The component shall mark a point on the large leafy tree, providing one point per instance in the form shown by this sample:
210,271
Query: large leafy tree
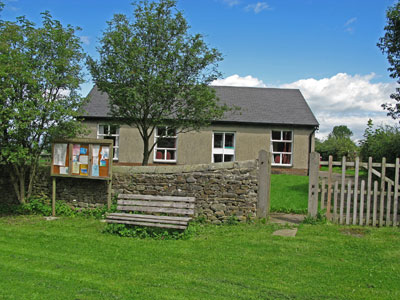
40,74
341,131
390,45
156,73
337,144
381,141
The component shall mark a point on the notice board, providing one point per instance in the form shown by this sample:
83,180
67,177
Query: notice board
82,158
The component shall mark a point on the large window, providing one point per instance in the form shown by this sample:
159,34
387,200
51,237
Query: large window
223,147
165,148
110,132
282,144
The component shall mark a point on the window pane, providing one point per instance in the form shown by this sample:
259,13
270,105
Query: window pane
276,135
277,158
171,154
161,131
217,158
116,152
218,138
101,129
160,154
228,157
113,129
171,132
282,147
286,159
287,135
229,140
166,143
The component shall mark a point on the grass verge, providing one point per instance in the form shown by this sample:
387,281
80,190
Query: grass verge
289,193
71,258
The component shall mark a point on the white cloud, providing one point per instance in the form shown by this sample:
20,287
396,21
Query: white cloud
350,21
347,26
258,7
236,80
85,39
344,99
231,3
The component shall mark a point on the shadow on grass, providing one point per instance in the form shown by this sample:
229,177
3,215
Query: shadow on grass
7,209
301,188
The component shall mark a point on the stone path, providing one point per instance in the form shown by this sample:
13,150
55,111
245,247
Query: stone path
286,232
286,219
282,218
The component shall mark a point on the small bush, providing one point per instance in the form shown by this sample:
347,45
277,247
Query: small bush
318,219
152,232
232,220
41,205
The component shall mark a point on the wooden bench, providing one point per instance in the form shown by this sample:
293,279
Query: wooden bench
177,211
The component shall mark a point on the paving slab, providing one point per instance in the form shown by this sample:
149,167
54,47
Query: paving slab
282,218
51,218
286,232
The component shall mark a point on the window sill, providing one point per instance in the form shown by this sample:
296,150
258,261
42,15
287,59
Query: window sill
281,165
165,161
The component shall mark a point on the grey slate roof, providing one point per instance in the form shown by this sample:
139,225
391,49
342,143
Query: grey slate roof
258,105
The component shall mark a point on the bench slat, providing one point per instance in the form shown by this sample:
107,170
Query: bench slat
179,211
156,198
156,203
186,219
152,220
146,224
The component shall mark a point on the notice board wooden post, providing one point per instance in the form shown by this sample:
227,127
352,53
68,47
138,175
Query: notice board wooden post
109,184
53,199
82,158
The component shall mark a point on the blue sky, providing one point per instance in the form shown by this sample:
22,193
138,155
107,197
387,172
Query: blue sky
326,48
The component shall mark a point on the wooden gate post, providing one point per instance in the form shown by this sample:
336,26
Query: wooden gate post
313,184
264,184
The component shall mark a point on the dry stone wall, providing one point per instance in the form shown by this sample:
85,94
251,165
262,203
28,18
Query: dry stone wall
221,190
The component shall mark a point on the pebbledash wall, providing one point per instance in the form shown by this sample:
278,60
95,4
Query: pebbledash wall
221,189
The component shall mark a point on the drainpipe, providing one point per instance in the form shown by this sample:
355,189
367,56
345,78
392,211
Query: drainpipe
309,148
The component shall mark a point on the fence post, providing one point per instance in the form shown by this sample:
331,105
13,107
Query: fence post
329,197
396,191
313,184
264,184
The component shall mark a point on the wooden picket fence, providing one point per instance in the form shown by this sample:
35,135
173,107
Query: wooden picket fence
353,199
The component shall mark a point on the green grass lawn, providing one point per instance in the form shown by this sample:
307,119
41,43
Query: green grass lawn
289,193
349,171
71,258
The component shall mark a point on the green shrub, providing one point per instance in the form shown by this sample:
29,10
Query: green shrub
41,205
141,232
320,218
232,220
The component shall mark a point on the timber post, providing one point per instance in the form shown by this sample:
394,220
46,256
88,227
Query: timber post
264,184
53,199
109,189
313,184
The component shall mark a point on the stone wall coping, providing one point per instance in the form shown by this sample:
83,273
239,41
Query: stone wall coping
246,164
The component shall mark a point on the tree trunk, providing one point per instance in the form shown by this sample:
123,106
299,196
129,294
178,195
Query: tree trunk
31,178
21,179
18,181
14,182
146,153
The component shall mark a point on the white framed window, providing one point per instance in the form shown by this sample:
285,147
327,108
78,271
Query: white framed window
166,141
282,147
223,147
110,132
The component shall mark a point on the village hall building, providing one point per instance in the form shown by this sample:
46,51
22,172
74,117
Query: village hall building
276,120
